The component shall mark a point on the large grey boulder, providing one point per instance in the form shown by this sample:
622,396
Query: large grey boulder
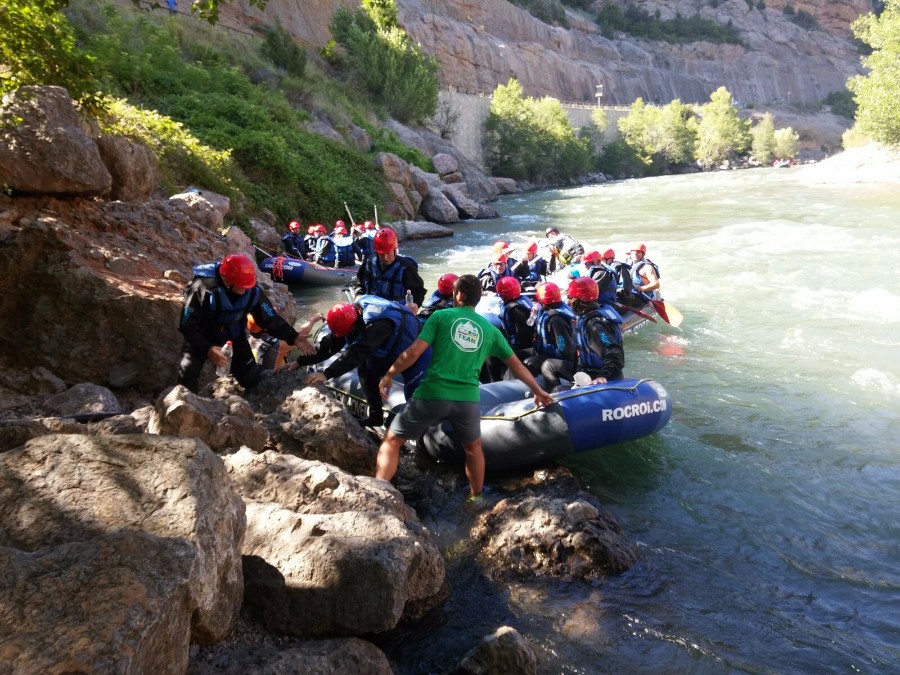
132,167
504,651
327,553
71,489
43,147
438,208
83,398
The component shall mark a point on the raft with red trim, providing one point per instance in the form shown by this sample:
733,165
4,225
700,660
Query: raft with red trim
289,270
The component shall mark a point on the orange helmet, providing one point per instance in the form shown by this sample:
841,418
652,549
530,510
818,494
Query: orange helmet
584,289
548,293
341,318
294,226
368,225
509,288
445,283
499,247
591,257
640,247
385,241
609,254
238,270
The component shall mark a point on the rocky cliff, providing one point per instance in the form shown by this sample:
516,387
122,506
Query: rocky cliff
485,42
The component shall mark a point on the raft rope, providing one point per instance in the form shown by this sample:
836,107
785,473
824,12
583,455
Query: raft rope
278,268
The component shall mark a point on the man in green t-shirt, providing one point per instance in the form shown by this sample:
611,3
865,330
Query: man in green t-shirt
462,339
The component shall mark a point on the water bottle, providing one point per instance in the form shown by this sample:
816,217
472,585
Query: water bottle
535,308
410,303
228,351
581,379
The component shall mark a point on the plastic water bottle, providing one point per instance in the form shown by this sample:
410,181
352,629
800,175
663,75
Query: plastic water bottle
581,379
228,351
535,308
410,303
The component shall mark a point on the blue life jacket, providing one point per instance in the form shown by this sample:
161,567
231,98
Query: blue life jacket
293,244
365,244
324,251
542,344
508,326
606,279
537,269
636,277
406,326
343,249
433,303
228,312
386,283
586,356
308,248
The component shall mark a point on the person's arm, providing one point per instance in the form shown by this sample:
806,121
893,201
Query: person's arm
404,361
517,368
602,341
648,274
268,319
192,317
564,337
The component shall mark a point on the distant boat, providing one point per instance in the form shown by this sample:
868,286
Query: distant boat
782,164
290,271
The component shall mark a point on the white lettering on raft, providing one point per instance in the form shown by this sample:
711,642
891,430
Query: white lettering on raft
633,410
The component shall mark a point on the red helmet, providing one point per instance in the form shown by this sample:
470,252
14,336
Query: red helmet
500,258
532,247
340,228
548,293
584,289
238,270
319,229
341,318
499,247
609,254
340,223
591,256
368,225
294,226
640,247
445,283
385,241
509,288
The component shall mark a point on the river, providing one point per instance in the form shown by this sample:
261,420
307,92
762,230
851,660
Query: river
766,511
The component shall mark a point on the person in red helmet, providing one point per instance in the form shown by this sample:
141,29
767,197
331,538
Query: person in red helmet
216,304
308,249
605,276
364,245
461,339
442,298
293,240
598,334
344,251
513,317
498,269
369,334
388,274
644,273
532,268
554,342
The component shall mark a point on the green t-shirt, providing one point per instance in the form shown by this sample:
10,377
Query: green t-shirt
461,340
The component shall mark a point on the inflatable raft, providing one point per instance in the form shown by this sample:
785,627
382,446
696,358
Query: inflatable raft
516,435
297,271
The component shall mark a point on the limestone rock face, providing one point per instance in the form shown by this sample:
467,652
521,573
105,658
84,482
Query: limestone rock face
329,553
69,489
43,149
132,167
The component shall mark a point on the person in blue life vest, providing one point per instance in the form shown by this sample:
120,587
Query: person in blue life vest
490,275
388,274
293,241
323,248
644,273
563,248
461,339
343,246
554,344
308,250
532,268
370,334
216,304
442,298
598,334
514,314
364,244
605,276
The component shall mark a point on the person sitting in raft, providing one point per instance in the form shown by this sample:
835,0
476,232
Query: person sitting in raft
554,336
370,334
490,275
364,244
323,248
603,274
563,248
514,314
442,298
308,251
461,339
644,273
344,251
388,274
531,269
292,241
216,304
598,334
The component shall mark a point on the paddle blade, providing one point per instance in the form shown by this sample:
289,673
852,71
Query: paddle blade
668,312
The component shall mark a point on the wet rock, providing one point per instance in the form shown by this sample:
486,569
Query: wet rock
465,206
420,229
506,186
505,651
71,489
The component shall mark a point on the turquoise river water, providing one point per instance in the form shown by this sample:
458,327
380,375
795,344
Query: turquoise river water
766,511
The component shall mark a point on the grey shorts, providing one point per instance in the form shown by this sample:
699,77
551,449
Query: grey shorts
418,415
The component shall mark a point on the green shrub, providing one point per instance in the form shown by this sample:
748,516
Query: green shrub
550,12
841,103
279,47
762,146
639,22
387,141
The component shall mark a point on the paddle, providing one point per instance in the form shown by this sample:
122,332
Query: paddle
626,308
668,312
352,222
376,216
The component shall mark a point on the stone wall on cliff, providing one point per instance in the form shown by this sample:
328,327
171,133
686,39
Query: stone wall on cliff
482,44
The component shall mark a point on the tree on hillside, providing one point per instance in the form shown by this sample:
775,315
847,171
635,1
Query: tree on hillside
661,137
786,141
381,56
37,46
878,93
720,133
763,145
508,131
